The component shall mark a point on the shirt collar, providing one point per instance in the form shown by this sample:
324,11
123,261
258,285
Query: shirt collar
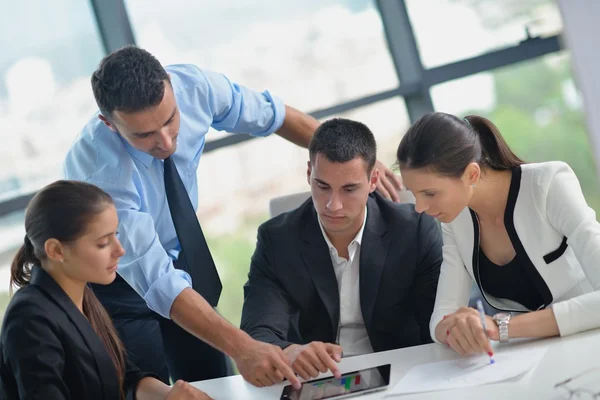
357,238
141,156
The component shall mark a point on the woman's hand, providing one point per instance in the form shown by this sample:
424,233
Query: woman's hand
463,332
182,390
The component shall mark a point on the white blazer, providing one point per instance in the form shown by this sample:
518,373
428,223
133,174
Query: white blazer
556,238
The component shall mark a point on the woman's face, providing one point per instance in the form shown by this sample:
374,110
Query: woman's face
436,195
94,256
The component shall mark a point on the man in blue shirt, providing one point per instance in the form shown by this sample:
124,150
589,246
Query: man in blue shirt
143,148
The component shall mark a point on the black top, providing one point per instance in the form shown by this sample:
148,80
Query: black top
49,350
525,283
508,282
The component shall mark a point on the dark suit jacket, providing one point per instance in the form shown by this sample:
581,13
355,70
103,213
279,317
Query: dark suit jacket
49,350
292,293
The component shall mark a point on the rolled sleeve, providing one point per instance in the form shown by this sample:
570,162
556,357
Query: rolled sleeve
279,109
163,292
238,109
146,266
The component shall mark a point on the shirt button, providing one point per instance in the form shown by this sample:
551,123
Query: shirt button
346,305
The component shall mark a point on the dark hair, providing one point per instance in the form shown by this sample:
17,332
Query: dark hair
62,211
341,140
447,144
129,79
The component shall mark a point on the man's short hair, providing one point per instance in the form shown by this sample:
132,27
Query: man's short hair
129,79
341,140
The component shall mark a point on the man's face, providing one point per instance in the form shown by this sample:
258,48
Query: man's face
340,192
154,130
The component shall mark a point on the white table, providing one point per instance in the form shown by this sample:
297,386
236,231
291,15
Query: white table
565,357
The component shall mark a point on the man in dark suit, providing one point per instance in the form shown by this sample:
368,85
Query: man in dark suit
347,270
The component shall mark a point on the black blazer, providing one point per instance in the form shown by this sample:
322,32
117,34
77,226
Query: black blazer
49,350
292,293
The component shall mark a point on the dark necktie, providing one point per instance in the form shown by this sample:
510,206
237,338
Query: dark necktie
200,264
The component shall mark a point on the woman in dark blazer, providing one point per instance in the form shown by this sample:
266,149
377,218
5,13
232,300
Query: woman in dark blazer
57,341
523,232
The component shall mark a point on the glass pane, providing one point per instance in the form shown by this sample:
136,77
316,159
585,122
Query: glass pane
252,173
49,50
538,110
313,53
459,29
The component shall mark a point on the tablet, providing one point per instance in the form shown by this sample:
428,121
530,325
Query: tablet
350,384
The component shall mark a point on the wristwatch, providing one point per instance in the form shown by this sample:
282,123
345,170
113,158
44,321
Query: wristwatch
502,320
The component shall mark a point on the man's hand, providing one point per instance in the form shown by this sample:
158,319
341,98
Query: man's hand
310,359
389,183
182,390
463,332
264,364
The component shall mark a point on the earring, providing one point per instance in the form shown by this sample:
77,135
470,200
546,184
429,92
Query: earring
473,185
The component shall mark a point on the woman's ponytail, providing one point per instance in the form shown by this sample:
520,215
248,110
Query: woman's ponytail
495,152
20,269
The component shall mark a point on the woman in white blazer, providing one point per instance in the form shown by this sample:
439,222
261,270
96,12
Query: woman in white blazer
522,231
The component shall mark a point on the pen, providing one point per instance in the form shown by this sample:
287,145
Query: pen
482,316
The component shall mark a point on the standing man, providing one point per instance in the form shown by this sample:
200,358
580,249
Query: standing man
143,148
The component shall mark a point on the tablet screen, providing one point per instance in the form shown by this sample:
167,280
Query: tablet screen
332,387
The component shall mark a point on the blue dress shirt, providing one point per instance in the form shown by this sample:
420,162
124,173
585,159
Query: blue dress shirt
134,179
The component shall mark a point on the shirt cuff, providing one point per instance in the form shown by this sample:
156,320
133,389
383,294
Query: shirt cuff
564,318
278,110
131,392
163,292
432,325
436,318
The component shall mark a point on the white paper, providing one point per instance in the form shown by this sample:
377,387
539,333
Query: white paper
468,372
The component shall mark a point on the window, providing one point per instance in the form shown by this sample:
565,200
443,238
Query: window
45,95
49,52
450,30
314,54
